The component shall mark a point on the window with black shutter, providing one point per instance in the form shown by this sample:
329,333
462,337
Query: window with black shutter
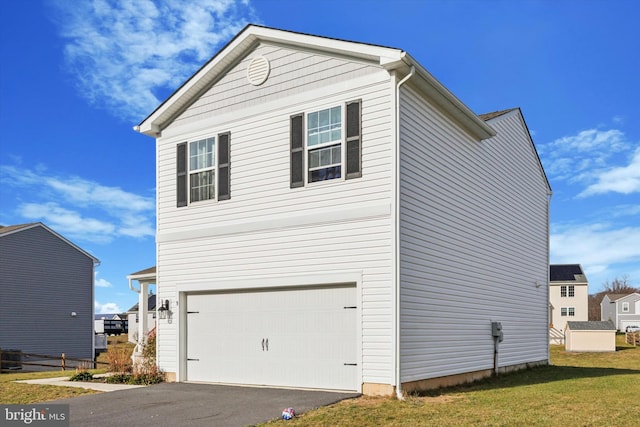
326,144
353,140
224,189
181,172
203,170
297,150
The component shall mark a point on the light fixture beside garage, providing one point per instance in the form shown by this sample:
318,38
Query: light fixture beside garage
164,311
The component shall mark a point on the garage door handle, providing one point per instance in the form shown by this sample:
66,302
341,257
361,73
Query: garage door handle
267,344
350,364
262,344
193,360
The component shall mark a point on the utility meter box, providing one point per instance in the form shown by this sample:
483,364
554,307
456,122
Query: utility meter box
496,330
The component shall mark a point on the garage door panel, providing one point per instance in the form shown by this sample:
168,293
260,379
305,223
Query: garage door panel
310,334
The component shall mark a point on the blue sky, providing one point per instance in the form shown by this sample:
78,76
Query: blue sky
76,76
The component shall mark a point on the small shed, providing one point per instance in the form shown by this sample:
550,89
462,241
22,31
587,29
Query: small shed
590,336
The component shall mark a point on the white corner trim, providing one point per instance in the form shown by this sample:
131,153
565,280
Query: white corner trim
280,221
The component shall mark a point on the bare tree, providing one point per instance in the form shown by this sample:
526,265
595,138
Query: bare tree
616,286
620,286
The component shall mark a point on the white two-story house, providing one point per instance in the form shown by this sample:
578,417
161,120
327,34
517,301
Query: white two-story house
568,298
331,216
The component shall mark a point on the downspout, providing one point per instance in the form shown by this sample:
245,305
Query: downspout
396,239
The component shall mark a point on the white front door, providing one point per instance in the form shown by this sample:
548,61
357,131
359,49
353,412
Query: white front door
302,337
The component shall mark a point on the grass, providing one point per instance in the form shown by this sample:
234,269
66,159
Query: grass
18,393
580,389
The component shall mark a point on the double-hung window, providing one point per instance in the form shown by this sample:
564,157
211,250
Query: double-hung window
572,291
326,144
563,311
572,311
563,291
203,170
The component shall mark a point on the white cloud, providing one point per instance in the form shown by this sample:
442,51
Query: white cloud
79,208
622,179
123,53
578,157
107,308
101,283
595,246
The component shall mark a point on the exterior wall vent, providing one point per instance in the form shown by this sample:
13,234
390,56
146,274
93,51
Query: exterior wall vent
258,70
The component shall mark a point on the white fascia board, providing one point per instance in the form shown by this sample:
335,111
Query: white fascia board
445,99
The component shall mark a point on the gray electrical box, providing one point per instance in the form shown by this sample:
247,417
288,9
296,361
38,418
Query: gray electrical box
496,330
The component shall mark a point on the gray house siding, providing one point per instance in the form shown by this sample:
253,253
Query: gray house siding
473,227
43,279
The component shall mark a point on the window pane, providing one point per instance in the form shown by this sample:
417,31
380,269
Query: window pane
324,126
336,115
325,156
202,185
314,159
313,121
323,119
202,154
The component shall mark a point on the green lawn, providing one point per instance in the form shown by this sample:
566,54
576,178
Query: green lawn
580,389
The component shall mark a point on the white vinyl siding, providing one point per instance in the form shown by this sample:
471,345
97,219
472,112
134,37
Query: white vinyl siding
268,229
473,236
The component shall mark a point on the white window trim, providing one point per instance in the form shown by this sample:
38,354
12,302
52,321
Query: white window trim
214,168
625,307
342,142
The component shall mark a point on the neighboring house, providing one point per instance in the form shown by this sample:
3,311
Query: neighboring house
590,336
331,216
133,314
568,298
47,288
110,324
143,320
622,309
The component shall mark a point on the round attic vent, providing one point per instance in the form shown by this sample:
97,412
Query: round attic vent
258,70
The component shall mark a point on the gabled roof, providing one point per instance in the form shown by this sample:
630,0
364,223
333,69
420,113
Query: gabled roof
592,325
12,229
391,59
151,304
567,273
110,316
146,272
616,297
489,116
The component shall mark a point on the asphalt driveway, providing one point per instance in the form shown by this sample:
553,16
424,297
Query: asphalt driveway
187,404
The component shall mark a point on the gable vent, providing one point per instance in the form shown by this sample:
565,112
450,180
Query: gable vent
258,70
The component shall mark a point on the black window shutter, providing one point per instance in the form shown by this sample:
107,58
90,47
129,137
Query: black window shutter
354,140
297,150
224,187
181,173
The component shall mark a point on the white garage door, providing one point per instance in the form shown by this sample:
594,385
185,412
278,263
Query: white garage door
286,337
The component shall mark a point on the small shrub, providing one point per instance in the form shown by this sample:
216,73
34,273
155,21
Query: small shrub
118,379
82,376
147,372
119,360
